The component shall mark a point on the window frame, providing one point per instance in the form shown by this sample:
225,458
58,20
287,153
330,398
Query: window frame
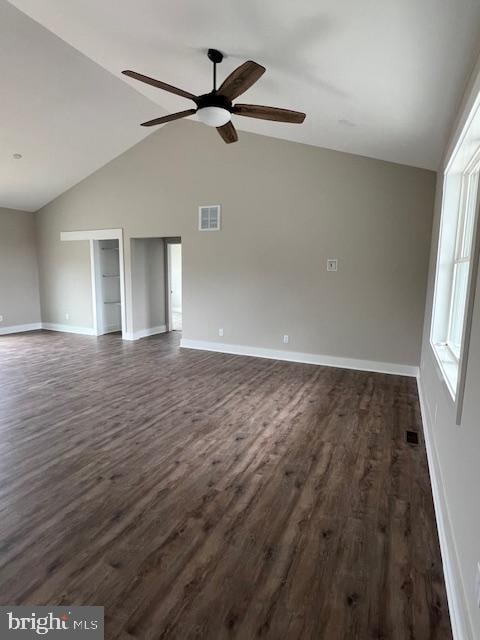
453,361
463,248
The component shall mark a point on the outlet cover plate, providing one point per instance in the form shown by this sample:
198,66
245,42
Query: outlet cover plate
332,264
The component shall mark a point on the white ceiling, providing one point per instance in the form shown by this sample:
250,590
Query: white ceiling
62,112
377,78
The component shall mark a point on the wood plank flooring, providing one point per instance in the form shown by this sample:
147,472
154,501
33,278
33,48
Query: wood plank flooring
201,495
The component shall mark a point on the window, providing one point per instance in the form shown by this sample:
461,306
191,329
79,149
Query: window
461,262
455,259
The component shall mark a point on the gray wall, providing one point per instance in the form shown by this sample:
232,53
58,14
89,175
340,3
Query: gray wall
456,448
148,283
19,296
286,208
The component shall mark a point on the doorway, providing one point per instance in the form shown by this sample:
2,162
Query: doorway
174,287
108,294
107,286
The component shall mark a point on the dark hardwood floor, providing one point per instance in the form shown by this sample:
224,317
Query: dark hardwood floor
201,495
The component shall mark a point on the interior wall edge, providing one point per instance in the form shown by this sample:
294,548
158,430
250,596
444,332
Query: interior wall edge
454,448
460,620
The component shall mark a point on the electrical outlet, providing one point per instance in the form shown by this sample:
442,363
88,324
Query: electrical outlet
1,318
477,585
220,332
332,264
285,339
67,316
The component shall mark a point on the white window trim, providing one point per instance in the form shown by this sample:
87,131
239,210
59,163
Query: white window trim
454,369
469,305
466,219
448,366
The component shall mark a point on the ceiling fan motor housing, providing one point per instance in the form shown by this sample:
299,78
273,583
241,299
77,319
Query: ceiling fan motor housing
214,99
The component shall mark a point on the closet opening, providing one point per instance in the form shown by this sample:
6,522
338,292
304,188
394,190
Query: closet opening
107,277
106,256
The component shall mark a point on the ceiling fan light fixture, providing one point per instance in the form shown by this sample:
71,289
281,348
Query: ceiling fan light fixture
215,108
214,116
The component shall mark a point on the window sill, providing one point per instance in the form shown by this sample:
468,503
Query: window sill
448,366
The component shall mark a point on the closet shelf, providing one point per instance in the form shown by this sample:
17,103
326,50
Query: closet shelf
113,302
110,275
109,248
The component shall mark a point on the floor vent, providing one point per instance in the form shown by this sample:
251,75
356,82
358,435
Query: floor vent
412,437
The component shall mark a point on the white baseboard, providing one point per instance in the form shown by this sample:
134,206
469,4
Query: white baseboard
86,331
68,328
20,328
461,626
308,358
144,333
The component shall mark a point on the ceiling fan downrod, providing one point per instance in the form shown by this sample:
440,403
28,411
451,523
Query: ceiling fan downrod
216,57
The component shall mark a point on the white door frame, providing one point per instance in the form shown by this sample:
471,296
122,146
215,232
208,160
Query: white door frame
168,280
101,234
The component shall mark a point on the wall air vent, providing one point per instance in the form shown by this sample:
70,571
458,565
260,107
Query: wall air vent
209,218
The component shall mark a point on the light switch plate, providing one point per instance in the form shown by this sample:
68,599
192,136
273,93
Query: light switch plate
220,333
332,264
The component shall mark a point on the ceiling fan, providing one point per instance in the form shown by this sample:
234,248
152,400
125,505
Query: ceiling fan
215,108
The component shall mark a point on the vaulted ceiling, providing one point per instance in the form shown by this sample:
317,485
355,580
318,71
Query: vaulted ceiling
63,113
381,79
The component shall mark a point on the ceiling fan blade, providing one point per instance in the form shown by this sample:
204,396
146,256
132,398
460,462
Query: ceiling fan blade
241,79
159,84
228,132
269,113
169,118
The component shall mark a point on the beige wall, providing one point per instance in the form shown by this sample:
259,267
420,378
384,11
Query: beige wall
148,283
286,208
19,298
456,449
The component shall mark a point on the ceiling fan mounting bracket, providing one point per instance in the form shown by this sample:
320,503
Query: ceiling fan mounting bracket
215,56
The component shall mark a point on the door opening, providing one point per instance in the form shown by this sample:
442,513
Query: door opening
107,286
107,278
174,290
